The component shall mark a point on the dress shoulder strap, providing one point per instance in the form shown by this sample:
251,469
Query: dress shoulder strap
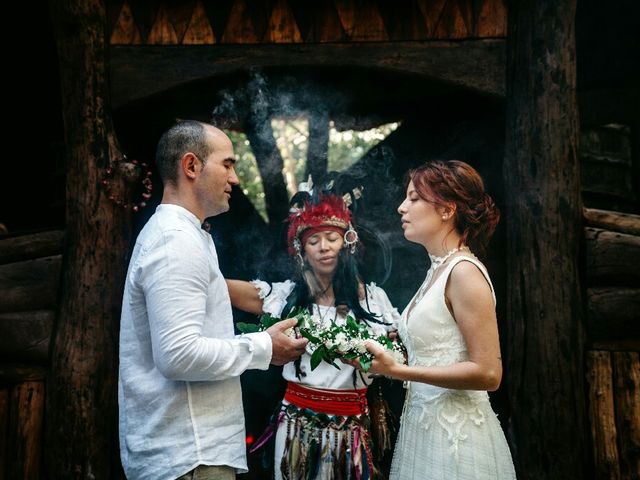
471,258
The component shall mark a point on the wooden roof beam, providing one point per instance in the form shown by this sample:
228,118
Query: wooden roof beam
141,71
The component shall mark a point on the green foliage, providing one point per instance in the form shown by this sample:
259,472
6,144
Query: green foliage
247,170
292,138
347,147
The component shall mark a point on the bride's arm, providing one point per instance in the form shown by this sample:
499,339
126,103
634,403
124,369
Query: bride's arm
245,296
472,306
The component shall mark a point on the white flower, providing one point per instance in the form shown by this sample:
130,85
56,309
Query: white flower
361,347
398,356
330,341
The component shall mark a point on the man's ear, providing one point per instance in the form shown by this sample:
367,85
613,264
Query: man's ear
189,165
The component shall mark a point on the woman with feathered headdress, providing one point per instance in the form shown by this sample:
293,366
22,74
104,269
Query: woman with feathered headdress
322,425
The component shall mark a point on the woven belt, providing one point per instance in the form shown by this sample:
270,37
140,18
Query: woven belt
329,402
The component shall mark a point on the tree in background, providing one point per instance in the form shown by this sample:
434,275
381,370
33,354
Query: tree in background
292,139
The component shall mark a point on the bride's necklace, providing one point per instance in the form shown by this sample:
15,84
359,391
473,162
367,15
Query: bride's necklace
436,262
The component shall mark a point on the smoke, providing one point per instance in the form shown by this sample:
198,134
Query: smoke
250,107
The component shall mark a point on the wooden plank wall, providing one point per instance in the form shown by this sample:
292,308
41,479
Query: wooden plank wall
29,278
613,323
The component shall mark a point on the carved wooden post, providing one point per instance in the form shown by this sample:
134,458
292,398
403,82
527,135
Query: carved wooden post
81,406
545,336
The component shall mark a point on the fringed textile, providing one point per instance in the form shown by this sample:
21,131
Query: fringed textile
320,446
382,426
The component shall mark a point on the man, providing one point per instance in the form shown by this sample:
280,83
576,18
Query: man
180,402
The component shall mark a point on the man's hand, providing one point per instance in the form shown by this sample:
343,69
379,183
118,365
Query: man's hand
285,348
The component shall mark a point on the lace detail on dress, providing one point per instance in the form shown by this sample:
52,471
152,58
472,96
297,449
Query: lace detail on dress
456,411
444,346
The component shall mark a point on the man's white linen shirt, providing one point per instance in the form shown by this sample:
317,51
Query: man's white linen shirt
179,396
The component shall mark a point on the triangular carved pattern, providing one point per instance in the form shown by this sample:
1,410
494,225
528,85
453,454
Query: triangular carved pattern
239,28
282,26
144,14
451,19
162,31
189,22
361,21
125,31
452,25
492,19
199,31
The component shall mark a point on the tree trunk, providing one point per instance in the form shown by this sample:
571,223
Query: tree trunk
318,153
270,164
545,334
81,407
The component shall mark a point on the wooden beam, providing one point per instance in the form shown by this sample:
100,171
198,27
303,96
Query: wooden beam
139,72
4,429
626,381
30,285
81,406
26,336
545,337
612,257
21,372
616,221
25,430
24,247
613,313
602,416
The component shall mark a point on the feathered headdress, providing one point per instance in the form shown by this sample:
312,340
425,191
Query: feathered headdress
329,213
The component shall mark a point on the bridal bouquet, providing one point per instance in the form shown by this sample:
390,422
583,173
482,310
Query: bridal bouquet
333,341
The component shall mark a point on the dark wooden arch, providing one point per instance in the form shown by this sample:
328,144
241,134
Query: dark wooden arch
140,72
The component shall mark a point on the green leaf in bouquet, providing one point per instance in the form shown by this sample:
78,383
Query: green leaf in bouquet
267,320
351,324
248,327
306,333
385,341
317,356
331,361
365,363
350,356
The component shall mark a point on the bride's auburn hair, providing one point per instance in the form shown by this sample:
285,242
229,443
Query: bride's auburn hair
454,182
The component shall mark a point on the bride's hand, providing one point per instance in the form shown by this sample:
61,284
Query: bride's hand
383,362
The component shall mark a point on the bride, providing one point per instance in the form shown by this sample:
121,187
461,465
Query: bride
448,428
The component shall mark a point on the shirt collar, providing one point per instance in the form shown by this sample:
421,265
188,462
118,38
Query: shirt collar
181,211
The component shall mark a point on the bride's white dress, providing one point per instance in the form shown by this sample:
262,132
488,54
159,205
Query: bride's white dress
445,434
